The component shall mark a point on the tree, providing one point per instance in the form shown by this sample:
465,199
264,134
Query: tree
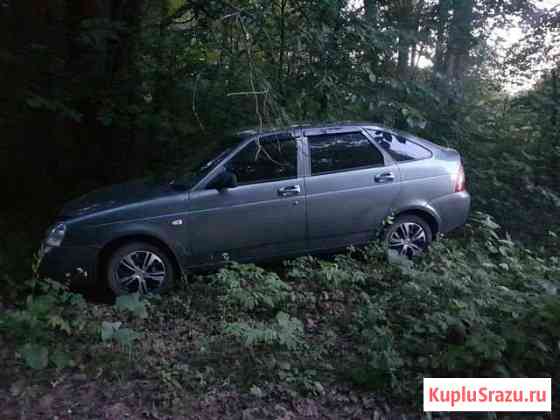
460,43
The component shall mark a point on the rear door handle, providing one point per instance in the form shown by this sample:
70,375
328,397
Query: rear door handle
289,191
385,177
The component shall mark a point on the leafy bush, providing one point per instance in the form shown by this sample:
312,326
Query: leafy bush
37,325
123,336
491,308
285,332
112,331
248,287
343,272
516,182
42,325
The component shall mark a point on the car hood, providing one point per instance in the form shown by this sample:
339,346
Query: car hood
117,196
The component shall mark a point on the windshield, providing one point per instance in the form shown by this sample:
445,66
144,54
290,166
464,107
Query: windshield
206,167
205,161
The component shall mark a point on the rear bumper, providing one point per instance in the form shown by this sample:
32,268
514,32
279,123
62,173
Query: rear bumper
453,210
74,264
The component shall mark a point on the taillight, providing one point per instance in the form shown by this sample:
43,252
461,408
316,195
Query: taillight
460,181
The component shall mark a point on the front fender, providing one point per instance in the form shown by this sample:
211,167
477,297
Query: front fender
161,229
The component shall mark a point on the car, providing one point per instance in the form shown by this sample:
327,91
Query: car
273,194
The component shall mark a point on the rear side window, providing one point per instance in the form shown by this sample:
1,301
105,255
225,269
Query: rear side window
265,160
400,148
339,152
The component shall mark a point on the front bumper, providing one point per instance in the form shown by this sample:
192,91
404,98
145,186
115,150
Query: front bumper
76,265
453,210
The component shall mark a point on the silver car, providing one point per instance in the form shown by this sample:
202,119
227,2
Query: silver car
274,194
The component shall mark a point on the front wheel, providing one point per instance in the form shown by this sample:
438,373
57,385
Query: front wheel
139,268
409,236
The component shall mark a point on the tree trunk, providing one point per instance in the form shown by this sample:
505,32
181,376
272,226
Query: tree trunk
416,51
281,53
371,15
555,101
402,63
460,43
441,37
406,26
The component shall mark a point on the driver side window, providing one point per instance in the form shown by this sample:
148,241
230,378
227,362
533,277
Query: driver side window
265,160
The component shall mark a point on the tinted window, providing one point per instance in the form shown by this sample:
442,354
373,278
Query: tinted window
338,152
399,147
264,160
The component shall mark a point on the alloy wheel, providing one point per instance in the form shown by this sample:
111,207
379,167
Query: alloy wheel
408,239
140,271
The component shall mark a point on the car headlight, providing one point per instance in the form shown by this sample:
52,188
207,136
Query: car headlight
56,235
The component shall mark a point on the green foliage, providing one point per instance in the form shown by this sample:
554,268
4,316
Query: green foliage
35,356
480,304
285,332
123,336
136,307
38,102
326,275
503,178
462,311
38,326
41,327
248,287
134,304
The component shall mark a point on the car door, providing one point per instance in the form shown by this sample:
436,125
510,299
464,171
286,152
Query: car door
263,216
351,185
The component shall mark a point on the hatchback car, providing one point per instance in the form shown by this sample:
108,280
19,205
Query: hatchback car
280,193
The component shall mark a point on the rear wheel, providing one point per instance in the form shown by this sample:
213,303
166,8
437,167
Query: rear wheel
139,267
409,236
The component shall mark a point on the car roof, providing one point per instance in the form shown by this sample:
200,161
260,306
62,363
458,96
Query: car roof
271,130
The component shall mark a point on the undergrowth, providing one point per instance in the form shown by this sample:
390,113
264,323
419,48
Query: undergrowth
478,304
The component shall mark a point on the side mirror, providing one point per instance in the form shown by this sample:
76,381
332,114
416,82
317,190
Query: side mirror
224,180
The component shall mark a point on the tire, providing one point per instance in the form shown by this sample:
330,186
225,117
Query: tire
409,235
139,267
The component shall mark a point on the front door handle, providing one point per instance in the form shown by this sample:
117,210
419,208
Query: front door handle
385,177
289,191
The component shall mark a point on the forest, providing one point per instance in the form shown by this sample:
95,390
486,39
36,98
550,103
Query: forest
97,92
